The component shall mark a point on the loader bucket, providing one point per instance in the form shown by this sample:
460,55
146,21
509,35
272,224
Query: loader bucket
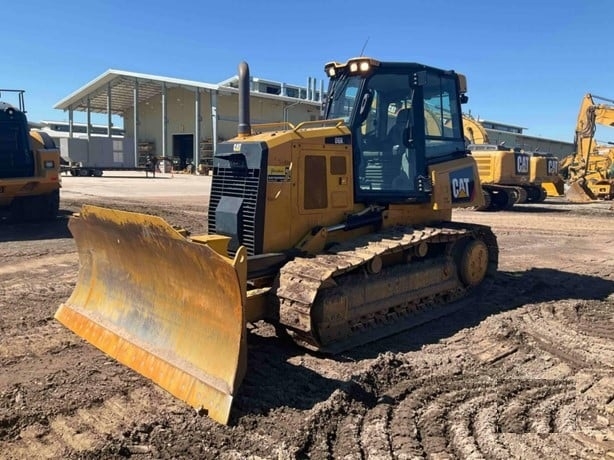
167,307
578,192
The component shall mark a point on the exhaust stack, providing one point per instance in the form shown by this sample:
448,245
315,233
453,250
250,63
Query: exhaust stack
244,128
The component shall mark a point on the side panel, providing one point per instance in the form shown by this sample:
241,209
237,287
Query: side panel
544,168
486,163
502,166
456,184
309,184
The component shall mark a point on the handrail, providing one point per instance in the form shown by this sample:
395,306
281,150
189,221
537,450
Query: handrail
337,122
284,125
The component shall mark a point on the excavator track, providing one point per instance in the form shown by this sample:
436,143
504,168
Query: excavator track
382,283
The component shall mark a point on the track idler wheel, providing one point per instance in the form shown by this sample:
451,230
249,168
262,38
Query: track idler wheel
488,206
473,262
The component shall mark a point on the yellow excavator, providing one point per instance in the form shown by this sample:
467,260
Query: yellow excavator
29,167
589,172
545,172
508,176
338,231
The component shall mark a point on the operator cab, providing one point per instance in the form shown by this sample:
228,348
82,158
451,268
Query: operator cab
16,156
403,118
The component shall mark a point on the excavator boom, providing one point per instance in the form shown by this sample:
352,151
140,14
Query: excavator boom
590,170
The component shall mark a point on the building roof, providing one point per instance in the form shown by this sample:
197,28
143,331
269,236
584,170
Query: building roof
499,123
121,83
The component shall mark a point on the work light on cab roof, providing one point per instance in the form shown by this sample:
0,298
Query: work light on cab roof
360,65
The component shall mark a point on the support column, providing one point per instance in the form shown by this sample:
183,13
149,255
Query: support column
213,102
70,122
136,121
197,120
164,120
89,128
109,112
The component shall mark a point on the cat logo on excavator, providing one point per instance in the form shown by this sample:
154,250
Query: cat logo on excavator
522,163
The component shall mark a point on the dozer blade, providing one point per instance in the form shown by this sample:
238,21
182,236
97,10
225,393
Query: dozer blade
169,308
578,192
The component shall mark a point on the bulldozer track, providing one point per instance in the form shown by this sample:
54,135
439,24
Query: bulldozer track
309,289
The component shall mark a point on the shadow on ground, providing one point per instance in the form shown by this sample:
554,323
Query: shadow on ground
43,230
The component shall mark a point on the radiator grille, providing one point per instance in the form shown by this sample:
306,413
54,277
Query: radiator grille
239,183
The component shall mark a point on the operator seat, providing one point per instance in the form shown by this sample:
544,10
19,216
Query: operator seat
395,135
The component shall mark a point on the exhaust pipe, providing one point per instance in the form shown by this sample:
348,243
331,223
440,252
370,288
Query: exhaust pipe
244,128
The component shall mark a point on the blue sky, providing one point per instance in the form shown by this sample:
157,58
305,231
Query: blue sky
528,62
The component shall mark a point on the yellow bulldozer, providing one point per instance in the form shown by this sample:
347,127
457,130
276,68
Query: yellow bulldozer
589,172
508,176
338,231
29,166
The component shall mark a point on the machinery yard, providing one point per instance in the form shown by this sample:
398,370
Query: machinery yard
521,368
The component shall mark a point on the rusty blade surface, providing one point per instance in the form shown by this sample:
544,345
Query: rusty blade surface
170,309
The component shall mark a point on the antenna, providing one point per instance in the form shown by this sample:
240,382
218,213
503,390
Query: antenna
364,46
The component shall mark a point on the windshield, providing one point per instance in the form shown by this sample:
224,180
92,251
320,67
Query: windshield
342,96
15,157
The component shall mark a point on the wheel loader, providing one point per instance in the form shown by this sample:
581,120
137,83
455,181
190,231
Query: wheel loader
338,231
29,167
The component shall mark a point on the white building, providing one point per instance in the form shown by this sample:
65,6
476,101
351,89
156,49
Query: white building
185,119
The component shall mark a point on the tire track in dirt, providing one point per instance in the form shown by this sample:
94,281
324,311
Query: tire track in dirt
37,357
466,415
85,429
444,417
39,264
555,333
47,338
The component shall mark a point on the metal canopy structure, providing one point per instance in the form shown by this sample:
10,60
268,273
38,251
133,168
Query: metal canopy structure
118,92
120,85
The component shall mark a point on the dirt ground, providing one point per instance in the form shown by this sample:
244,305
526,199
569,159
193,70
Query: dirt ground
523,368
